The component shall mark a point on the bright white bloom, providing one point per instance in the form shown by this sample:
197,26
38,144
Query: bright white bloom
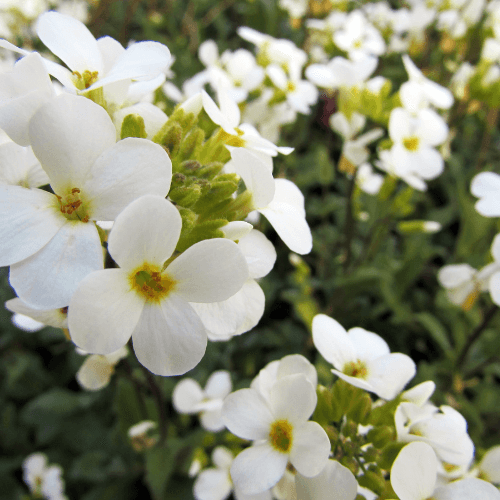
419,91
96,371
414,477
281,432
358,37
367,180
444,428
275,370
334,482
489,466
362,358
419,394
22,92
414,138
144,300
215,483
31,319
188,397
43,480
96,63
463,283
279,200
241,312
486,187
50,240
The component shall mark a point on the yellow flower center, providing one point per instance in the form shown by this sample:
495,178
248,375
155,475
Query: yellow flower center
72,207
85,80
290,87
232,140
150,283
356,369
280,435
411,143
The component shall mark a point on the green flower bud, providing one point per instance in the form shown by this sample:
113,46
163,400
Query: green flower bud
380,436
133,126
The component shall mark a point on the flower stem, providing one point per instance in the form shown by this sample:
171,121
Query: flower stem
160,403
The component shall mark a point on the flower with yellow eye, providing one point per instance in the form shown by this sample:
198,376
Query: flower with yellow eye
282,433
148,297
50,240
362,358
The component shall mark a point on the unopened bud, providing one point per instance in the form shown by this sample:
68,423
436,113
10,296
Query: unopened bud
143,435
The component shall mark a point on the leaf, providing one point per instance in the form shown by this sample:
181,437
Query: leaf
437,331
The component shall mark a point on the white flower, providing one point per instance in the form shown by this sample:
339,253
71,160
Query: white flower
96,371
334,482
50,240
215,483
95,63
58,318
144,300
444,428
279,200
188,397
281,432
367,180
43,480
143,435
486,187
419,394
362,358
414,477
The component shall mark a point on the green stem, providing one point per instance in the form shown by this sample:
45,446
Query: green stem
160,403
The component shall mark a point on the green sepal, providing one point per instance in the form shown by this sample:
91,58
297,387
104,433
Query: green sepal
401,205
133,126
384,414
185,196
171,139
373,481
389,453
210,170
323,414
189,219
219,192
202,231
360,409
388,187
344,396
191,144
381,436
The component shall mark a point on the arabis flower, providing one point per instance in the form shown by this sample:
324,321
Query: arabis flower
362,358
43,480
189,397
148,300
281,432
486,187
51,241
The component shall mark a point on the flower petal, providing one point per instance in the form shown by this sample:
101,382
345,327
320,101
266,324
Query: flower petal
95,373
218,385
126,171
367,345
310,449
469,488
334,482
67,135
414,472
255,302
211,420
146,231
29,219
332,341
212,484
259,253
187,394
209,271
258,468
103,312
293,398
48,279
247,415
169,338
51,317
70,40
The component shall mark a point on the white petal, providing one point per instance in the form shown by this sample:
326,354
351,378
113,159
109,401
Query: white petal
228,107
26,323
48,279
255,302
335,482
29,219
103,312
467,489
259,253
126,171
218,384
432,129
420,394
169,338
95,373
70,40
310,449
212,484
247,415
258,468
52,317
490,464
67,135
332,341
146,231
208,52
293,398
209,271
110,50
140,60
187,394
485,183
296,363
413,473
399,124
211,420
215,113
455,275
368,345
236,230
390,373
